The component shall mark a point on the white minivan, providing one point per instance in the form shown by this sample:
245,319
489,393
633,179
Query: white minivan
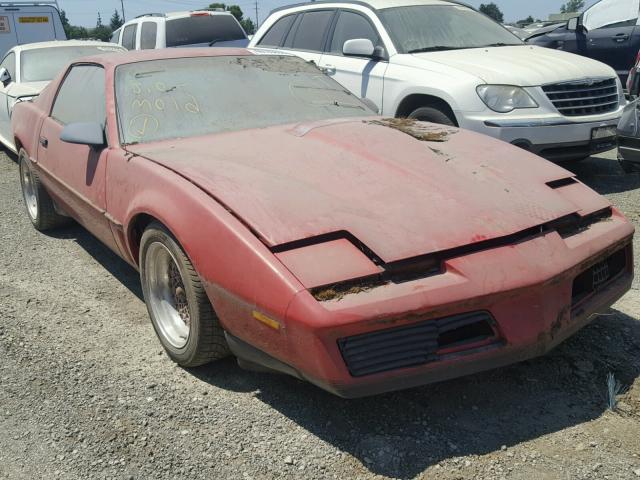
444,62
29,22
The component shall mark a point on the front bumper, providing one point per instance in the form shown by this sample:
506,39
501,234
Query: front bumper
554,137
526,287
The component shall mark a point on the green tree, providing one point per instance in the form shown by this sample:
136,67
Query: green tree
248,26
572,6
237,12
526,21
101,32
116,21
493,11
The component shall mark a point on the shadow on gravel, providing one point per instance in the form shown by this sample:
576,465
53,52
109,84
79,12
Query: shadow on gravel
120,269
403,433
604,175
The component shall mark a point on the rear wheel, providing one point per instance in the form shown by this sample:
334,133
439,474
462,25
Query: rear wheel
180,311
433,115
40,207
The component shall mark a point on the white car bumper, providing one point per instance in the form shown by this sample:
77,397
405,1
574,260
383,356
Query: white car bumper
551,136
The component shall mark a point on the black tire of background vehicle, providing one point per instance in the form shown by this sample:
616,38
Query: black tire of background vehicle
433,115
46,217
629,167
206,341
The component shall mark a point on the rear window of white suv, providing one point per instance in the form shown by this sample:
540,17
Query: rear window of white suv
207,29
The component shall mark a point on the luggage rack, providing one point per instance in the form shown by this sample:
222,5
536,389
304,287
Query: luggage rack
22,3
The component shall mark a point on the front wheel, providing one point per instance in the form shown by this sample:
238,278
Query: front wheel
433,115
180,311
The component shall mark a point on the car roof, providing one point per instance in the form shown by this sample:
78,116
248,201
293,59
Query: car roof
375,4
181,14
108,60
63,43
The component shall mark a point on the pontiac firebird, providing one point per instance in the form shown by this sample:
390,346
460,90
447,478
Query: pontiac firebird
273,216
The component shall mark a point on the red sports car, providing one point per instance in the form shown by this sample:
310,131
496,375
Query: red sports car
272,215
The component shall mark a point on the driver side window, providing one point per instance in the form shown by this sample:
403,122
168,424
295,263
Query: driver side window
9,63
352,25
81,97
611,14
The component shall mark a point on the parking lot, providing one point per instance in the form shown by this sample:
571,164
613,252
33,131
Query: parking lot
87,392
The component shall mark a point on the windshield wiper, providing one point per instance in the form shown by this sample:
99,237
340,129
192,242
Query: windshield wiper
436,48
499,45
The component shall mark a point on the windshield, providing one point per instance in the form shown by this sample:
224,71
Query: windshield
425,28
42,64
203,29
186,97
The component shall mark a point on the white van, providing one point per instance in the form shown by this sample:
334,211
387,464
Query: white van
29,22
198,28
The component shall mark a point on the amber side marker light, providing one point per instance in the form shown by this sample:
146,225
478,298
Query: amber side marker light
269,322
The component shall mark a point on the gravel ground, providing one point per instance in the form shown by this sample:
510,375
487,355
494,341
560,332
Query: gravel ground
86,391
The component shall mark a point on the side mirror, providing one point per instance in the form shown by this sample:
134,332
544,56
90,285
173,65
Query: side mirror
5,76
359,47
91,134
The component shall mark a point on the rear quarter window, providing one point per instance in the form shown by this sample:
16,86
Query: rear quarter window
148,33
129,36
207,29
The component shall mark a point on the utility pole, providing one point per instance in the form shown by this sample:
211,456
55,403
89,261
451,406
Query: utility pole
256,15
122,4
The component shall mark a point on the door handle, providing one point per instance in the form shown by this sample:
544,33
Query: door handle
621,37
44,142
328,70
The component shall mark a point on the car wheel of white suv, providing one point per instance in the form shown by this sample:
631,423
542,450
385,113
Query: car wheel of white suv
433,115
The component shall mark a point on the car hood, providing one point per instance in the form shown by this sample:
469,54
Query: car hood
26,89
523,65
400,196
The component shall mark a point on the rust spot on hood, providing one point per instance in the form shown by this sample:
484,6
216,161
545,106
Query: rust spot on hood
422,131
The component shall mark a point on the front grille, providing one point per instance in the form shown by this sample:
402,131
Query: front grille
416,344
598,276
584,97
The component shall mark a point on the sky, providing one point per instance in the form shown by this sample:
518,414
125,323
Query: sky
85,12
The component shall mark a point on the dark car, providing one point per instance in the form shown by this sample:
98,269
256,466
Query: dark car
606,31
629,138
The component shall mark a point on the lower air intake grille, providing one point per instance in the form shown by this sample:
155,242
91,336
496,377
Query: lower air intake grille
584,97
416,344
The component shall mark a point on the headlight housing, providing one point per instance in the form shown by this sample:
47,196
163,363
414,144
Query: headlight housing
505,98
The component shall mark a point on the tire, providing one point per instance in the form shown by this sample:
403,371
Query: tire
180,311
433,115
39,205
628,167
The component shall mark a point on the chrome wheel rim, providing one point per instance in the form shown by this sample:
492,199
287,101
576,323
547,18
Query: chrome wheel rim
28,190
167,295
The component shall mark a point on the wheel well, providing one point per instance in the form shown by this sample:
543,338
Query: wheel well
411,102
136,228
18,144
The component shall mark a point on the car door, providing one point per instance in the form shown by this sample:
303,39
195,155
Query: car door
77,173
363,76
9,62
612,35
308,34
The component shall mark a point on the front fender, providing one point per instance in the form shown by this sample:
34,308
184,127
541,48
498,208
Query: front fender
239,273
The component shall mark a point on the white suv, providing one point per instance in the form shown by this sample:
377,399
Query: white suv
181,29
444,62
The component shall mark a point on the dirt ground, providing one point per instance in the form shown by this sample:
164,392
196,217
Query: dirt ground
86,391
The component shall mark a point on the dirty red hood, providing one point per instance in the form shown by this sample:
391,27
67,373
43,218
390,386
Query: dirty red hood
400,196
